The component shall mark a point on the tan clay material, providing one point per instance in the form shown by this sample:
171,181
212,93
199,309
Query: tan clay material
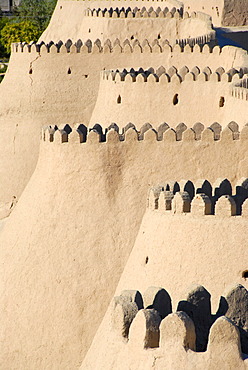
123,169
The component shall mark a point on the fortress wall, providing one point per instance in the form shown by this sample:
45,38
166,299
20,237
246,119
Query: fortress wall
212,7
166,99
170,342
49,87
52,96
154,341
169,26
202,256
61,27
223,12
194,249
56,284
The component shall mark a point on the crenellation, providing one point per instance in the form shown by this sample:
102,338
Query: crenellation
192,326
200,198
60,136
144,331
153,197
236,303
93,137
216,127
76,137
165,200
224,334
158,299
123,312
201,205
225,206
198,129
188,46
177,329
207,135
133,296
150,97
181,203
146,133
197,306
172,75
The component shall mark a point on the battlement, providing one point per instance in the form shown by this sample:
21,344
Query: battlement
173,3
113,134
240,89
201,198
145,12
147,321
127,46
172,75
134,13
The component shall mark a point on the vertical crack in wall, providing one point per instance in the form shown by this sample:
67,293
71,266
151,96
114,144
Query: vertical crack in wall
31,67
234,59
14,139
30,76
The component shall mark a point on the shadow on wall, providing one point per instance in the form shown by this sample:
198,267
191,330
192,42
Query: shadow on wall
227,36
155,304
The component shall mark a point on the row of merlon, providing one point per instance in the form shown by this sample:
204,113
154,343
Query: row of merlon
145,13
137,13
112,134
192,45
173,75
240,92
201,198
147,321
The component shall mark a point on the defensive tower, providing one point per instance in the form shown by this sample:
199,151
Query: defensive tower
116,97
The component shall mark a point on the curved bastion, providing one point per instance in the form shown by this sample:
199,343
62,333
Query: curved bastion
61,27
223,13
123,112
166,94
196,229
66,276
134,24
37,93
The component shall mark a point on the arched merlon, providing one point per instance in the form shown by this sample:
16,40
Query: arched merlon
61,26
145,12
173,76
80,133
129,24
193,326
56,96
130,13
167,92
194,198
95,46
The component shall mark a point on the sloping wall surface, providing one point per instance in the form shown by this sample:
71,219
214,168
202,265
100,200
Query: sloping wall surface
212,7
61,27
85,203
166,95
177,248
36,92
143,332
104,25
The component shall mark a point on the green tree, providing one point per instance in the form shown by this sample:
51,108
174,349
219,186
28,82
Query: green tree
25,31
37,11
30,19
3,22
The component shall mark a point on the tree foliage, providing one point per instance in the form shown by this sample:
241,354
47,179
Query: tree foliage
37,11
19,32
30,19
